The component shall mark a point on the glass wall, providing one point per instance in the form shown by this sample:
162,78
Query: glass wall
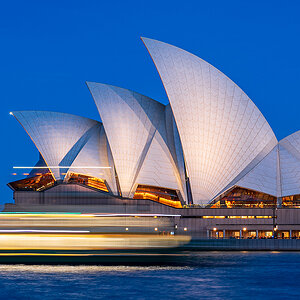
35,183
158,194
291,201
244,198
94,182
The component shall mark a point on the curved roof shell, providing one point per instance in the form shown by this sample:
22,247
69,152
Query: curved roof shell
67,140
289,149
96,152
222,131
136,130
265,176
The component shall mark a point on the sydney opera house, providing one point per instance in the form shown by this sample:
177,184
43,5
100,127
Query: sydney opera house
209,156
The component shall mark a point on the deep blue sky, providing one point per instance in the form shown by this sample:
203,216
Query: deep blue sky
50,48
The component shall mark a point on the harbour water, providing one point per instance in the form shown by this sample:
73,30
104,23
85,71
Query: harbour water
194,275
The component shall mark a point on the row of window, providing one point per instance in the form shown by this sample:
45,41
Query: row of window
237,217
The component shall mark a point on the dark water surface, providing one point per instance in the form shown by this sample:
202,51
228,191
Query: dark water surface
244,275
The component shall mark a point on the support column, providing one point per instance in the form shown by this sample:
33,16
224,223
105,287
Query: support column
224,233
207,234
290,234
240,234
279,202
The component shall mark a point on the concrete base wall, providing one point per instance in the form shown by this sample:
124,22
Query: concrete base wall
243,245
200,223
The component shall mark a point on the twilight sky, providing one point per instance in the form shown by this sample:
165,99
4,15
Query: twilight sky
50,48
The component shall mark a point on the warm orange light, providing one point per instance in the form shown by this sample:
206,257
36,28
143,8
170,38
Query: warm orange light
213,217
126,228
244,229
155,228
185,229
155,194
94,182
215,229
32,242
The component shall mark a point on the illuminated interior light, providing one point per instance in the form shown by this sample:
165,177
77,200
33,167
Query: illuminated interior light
244,229
155,228
159,194
14,174
126,228
185,229
215,229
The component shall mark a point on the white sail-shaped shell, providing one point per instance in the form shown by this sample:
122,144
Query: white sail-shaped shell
66,140
265,176
135,128
96,153
221,129
289,149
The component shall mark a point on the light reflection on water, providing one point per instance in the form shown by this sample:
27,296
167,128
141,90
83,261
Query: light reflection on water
48,269
218,275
